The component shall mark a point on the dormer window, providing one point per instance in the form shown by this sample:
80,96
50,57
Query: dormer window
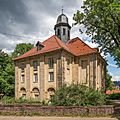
39,45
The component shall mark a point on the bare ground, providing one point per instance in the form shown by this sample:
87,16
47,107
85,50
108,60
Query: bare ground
52,118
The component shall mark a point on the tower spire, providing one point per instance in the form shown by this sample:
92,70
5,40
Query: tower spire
62,9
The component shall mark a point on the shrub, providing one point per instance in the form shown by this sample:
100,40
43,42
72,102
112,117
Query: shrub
79,95
7,99
114,96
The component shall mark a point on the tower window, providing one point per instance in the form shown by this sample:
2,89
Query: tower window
63,31
58,31
68,33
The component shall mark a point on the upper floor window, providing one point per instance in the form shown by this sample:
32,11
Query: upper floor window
68,63
50,62
22,67
35,79
22,78
84,71
63,31
51,77
35,65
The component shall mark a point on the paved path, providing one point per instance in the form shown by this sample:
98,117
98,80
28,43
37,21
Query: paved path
52,118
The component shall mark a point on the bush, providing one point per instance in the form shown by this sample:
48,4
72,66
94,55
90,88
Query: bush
7,99
77,95
114,96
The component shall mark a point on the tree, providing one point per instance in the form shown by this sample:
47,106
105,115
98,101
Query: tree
79,95
6,74
101,18
21,49
109,83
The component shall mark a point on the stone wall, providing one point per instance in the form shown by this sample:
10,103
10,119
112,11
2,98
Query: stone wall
57,110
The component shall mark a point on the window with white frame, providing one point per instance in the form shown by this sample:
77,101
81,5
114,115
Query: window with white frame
51,77
22,78
35,78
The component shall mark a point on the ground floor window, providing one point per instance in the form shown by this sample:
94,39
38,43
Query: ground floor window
36,93
51,92
23,93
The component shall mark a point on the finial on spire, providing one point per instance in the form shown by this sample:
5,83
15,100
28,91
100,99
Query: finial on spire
62,9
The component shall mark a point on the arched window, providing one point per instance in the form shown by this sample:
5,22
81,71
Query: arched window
23,92
36,93
51,92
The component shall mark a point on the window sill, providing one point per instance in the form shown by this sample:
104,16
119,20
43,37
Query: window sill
51,81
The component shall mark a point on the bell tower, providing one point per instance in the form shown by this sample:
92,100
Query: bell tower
62,28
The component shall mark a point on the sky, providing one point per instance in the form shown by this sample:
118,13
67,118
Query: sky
27,21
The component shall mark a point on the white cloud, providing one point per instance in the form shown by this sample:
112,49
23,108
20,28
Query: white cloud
7,51
112,65
92,45
114,77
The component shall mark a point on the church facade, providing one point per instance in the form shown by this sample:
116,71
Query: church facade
57,61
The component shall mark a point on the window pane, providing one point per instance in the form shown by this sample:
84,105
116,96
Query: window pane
51,62
58,31
51,76
68,33
22,67
84,71
22,78
63,31
35,79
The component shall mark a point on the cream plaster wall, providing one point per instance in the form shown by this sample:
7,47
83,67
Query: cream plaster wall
61,75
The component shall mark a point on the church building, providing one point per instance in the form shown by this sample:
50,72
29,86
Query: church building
56,61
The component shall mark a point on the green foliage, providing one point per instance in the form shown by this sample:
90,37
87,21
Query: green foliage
7,100
21,49
101,18
77,95
6,74
114,96
109,84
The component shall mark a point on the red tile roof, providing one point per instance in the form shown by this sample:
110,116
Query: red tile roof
112,91
75,46
78,47
51,44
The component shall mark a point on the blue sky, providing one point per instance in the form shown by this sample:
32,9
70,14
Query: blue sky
112,68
